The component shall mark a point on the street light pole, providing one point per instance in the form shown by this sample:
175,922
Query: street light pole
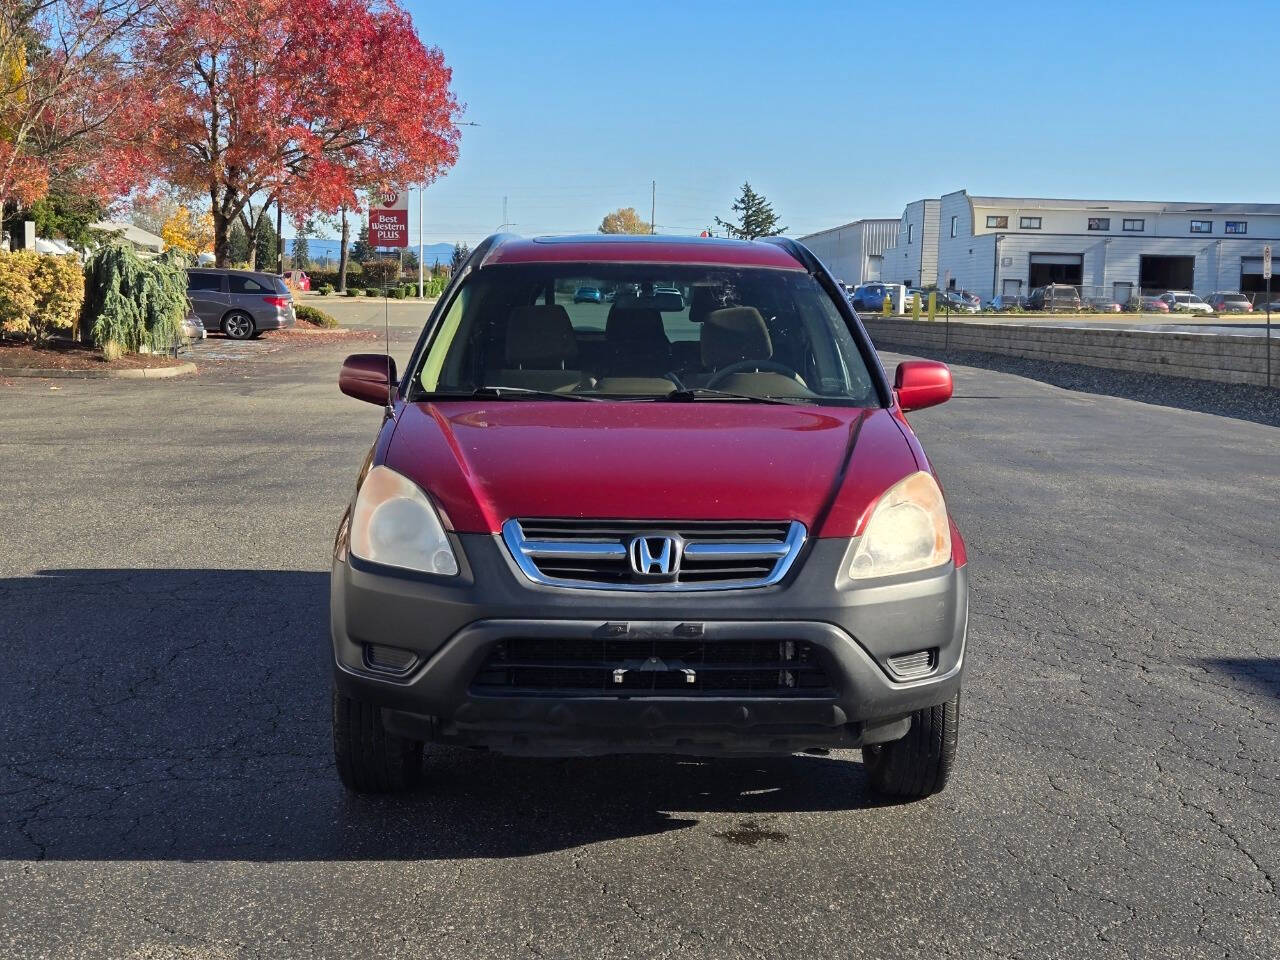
422,187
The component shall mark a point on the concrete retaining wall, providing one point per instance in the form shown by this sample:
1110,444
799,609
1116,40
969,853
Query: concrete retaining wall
1200,356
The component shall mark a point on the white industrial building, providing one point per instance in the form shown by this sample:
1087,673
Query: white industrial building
854,253
1110,249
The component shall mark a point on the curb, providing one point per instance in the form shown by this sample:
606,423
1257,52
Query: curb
136,373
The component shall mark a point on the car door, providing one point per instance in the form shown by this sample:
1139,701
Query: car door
207,293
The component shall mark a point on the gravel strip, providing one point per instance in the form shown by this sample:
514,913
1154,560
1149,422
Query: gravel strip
1241,401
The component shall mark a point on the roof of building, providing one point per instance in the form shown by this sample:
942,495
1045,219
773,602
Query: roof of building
1147,206
852,223
135,235
624,248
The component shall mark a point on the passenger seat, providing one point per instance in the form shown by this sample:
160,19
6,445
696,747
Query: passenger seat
541,350
738,335
636,343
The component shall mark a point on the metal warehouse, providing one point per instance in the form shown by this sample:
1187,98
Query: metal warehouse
855,251
1111,249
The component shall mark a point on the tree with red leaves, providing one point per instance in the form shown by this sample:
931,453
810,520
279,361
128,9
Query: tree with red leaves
64,92
302,102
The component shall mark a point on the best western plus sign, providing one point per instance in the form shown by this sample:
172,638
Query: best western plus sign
389,219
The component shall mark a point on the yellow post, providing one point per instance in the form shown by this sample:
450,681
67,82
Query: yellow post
933,304
886,305
915,306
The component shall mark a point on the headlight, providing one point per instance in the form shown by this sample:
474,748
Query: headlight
394,523
908,530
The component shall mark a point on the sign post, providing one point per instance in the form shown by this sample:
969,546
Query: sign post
1266,275
389,219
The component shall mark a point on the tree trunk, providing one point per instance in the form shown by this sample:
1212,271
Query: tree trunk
221,239
342,253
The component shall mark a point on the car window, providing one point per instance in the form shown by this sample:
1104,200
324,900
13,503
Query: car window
204,281
755,332
239,284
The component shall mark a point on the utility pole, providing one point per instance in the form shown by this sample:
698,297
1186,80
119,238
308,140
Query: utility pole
653,206
422,188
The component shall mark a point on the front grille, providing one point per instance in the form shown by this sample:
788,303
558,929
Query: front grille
705,554
629,667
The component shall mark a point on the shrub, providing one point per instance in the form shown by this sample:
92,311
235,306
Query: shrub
354,291
436,286
315,315
39,294
325,289
380,273
137,304
397,293
370,292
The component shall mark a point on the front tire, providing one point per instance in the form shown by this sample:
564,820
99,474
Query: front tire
919,764
369,758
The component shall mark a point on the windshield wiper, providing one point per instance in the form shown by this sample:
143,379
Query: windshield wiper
689,394
522,392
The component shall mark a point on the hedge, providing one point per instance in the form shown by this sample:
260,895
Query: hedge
314,315
39,294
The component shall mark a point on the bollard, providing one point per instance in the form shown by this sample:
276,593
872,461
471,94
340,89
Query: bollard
933,305
915,306
886,305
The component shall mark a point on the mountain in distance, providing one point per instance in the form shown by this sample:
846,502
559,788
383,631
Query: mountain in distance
322,250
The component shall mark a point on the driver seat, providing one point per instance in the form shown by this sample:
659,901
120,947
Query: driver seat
738,336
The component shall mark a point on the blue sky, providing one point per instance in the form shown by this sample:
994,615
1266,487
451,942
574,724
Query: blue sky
837,111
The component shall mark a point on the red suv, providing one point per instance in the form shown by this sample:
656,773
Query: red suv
687,518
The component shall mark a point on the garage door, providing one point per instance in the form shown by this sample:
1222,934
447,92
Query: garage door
1158,273
1251,277
1047,268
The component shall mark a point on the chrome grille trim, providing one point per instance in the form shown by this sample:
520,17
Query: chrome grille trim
781,553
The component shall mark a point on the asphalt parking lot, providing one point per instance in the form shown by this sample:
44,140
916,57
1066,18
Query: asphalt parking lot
167,789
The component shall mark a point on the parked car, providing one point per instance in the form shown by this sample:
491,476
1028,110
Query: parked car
869,297
297,280
1055,296
1226,301
969,297
625,556
1152,305
240,303
588,295
1184,301
1004,302
192,328
957,302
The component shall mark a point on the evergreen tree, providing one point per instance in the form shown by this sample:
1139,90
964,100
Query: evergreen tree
360,250
301,249
460,254
238,245
266,245
755,217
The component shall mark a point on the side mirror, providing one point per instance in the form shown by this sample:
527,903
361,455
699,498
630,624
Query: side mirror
368,376
922,383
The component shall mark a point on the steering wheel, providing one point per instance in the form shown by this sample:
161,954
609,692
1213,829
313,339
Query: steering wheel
743,366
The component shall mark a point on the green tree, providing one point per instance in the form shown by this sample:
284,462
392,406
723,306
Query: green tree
66,213
237,245
411,261
266,245
301,249
360,250
460,254
625,220
755,217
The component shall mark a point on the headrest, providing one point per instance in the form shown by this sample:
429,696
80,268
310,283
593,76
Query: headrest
702,301
540,337
733,335
634,323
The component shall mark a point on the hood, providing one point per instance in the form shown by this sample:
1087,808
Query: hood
486,461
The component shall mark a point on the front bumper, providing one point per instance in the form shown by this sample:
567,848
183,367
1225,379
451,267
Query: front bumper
454,624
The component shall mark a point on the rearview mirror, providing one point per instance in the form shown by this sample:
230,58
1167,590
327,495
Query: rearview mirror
922,383
368,376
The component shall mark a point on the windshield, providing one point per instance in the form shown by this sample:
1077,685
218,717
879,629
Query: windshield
705,333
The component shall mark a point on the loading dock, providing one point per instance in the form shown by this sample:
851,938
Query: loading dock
1047,268
1157,273
1251,280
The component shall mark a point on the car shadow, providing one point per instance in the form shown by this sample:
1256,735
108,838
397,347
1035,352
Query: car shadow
1262,674
184,714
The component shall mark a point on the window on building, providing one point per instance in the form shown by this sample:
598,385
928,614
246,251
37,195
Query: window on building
1099,223
953,225
910,231
1029,223
1235,226
1202,226
1000,223
1135,226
